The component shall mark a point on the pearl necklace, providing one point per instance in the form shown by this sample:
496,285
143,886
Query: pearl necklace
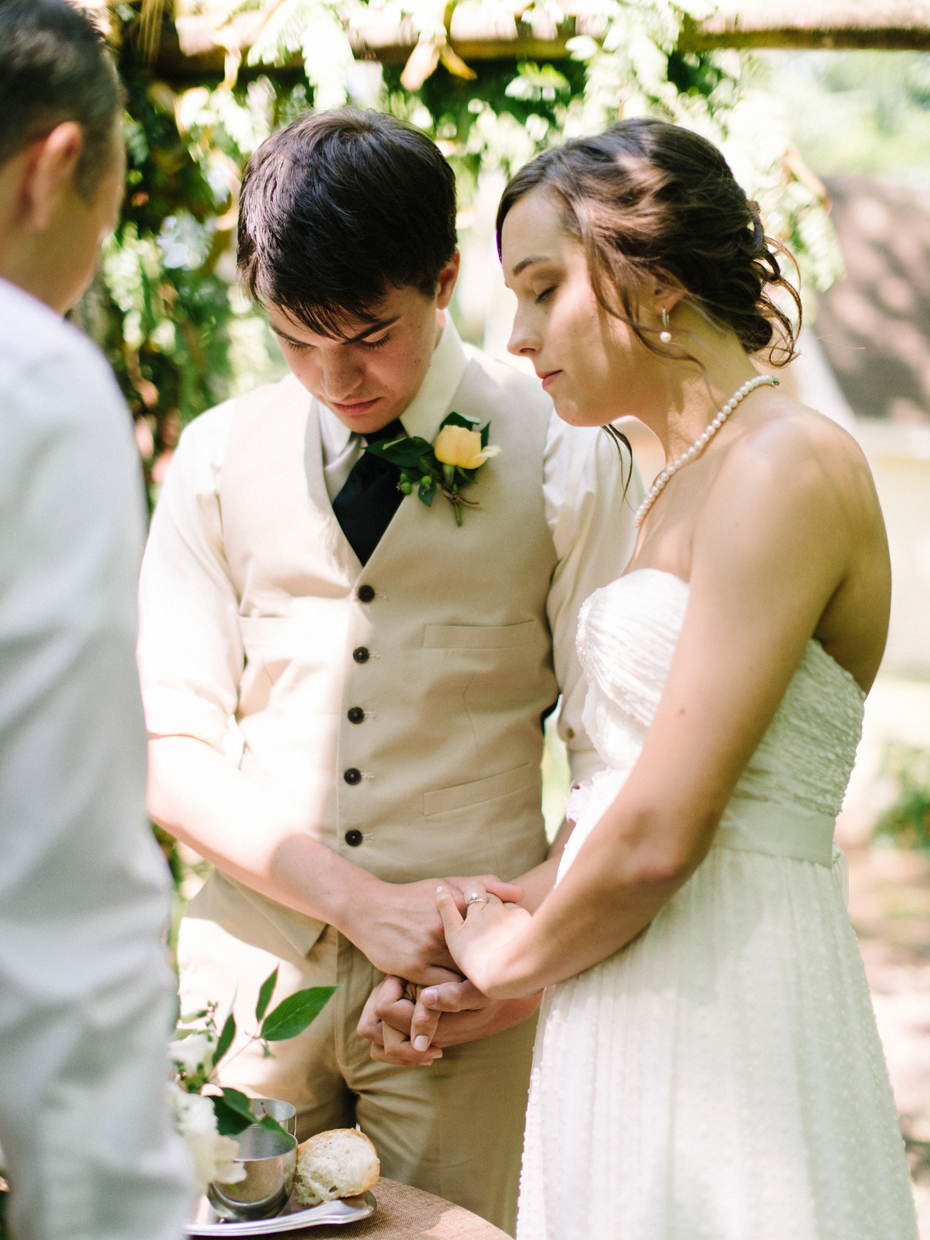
699,444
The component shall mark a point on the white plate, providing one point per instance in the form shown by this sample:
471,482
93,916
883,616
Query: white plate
292,1218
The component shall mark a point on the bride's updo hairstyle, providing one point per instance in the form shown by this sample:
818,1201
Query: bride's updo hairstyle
654,203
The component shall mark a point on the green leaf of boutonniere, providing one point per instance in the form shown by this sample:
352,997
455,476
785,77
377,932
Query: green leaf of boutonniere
461,419
447,464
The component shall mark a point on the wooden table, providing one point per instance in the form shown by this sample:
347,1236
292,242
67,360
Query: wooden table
406,1213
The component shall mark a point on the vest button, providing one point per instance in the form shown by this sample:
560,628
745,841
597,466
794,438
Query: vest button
353,775
360,654
354,838
356,714
365,594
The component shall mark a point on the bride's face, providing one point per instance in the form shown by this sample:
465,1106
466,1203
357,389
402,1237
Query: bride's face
591,364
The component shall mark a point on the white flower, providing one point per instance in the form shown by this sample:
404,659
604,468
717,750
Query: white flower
193,1055
213,1155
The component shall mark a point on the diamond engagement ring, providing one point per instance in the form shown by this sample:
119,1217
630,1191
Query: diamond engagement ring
475,899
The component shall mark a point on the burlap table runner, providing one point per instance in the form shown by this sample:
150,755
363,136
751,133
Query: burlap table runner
406,1213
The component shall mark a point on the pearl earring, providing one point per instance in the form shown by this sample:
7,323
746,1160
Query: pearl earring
665,335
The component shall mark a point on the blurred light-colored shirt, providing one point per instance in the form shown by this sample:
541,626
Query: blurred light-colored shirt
85,989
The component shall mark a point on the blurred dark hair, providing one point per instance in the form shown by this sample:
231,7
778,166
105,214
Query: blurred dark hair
54,67
338,208
655,202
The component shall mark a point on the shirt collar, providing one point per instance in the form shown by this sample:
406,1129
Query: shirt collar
423,414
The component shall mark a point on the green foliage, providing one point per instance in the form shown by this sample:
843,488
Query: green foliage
226,1037
295,1013
198,1033
164,307
234,1114
265,993
907,821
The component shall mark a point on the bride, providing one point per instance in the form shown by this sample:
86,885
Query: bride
707,1063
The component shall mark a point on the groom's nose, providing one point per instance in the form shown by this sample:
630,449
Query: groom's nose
342,374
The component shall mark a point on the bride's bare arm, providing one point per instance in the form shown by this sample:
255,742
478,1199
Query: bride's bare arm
789,544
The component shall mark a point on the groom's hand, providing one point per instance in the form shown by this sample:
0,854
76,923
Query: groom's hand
398,927
409,1026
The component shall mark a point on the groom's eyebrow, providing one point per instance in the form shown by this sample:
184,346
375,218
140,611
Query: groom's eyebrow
370,331
362,335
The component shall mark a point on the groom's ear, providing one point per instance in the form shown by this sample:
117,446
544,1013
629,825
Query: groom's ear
447,279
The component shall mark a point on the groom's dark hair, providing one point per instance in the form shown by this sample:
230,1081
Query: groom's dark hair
337,209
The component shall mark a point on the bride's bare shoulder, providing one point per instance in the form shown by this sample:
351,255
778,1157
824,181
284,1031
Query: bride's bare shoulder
796,474
785,443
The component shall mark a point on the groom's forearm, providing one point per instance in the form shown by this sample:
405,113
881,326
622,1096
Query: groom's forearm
203,801
195,795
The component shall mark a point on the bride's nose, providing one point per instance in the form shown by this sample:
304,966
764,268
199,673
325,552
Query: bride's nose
522,342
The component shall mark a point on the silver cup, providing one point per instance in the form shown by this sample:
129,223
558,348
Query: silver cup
283,1112
269,1162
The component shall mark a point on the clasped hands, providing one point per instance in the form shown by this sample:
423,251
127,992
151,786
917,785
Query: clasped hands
409,1018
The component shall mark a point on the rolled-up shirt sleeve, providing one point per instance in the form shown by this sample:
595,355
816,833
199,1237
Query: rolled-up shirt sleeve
591,521
190,648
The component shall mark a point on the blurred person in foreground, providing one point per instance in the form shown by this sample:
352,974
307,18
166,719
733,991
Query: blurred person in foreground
85,990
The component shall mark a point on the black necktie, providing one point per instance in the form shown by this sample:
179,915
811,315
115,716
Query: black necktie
368,500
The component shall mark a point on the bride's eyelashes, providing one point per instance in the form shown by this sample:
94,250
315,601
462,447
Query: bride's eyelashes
541,297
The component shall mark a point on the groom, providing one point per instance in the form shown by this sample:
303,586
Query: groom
345,689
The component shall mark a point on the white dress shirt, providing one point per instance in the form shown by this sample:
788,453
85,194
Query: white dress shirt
590,521
85,989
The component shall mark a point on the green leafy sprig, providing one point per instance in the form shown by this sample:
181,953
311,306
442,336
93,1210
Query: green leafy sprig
291,1017
422,470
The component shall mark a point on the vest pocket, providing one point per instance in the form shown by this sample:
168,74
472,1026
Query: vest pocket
478,636
460,796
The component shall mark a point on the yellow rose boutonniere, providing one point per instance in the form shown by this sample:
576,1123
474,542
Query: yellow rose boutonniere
448,463
454,445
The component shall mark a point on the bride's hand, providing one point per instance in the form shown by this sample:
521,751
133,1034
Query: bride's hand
478,938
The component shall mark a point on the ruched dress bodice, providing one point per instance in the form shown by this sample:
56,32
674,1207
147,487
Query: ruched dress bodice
787,798
721,1076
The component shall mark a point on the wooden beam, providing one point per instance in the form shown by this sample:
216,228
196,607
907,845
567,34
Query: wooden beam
896,25
899,25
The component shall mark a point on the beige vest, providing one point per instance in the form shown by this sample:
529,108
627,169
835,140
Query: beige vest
445,656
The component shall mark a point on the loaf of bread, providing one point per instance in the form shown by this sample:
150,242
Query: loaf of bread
339,1163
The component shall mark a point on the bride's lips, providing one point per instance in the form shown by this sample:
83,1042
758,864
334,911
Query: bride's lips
547,375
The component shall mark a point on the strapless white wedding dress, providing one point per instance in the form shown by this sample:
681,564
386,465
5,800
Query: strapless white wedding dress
721,1076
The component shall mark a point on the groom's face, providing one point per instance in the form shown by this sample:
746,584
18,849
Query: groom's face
370,374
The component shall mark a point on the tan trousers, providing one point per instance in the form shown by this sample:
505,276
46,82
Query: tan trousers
454,1129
